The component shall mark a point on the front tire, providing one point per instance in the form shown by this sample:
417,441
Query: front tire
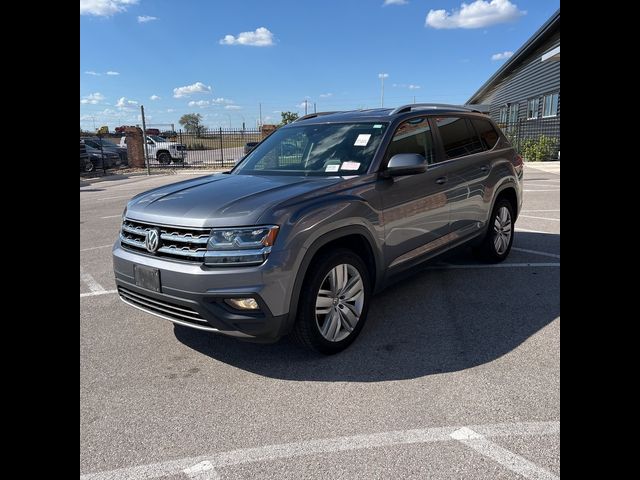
499,237
334,302
164,158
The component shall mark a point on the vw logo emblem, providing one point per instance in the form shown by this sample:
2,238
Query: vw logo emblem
152,240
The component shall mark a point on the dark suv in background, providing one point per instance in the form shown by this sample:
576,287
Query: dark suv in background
318,217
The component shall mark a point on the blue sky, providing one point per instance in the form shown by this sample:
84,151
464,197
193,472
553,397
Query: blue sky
222,58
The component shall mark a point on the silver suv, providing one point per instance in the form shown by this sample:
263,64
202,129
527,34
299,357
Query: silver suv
317,218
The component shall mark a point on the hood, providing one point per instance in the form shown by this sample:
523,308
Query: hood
222,200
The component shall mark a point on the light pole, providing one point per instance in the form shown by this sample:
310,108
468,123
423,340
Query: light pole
229,119
382,76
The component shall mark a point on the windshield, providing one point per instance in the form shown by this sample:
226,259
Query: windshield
325,150
156,138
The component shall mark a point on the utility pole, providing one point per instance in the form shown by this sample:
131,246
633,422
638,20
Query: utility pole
305,106
382,76
144,139
260,105
314,107
414,99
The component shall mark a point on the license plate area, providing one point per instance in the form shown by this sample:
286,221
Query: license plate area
147,277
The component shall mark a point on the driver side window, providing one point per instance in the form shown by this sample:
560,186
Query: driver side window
412,136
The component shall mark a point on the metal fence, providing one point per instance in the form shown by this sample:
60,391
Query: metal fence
535,140
208,148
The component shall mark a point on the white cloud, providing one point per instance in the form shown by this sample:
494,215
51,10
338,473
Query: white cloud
221,100
92,98
277,111
262,37
477,14
199,103
111,72
394,2
104,8
154,97
383,75
170,110
326,95
233,107
146,18
124,103
501,56
187,90
91,72
410,86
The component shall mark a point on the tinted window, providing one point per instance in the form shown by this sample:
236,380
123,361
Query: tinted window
413,136
488,135
458,137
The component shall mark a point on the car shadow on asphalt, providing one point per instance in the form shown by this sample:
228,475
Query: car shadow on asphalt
436,321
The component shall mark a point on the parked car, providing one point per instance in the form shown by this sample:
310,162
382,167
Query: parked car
111,159
85,163
152,131
162,150
299,243
249,146
107,146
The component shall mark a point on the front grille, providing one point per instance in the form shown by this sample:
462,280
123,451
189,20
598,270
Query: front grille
162,307
180,243
180,147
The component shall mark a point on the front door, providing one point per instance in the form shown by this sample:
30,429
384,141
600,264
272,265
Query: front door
416,211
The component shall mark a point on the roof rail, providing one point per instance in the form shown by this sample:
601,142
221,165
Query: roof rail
411,106
312,115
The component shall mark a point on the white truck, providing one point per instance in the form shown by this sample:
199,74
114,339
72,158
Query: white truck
162,150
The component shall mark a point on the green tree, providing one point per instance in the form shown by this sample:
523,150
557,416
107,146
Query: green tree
192,123
288,117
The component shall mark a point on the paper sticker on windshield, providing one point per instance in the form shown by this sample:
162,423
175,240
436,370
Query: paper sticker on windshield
362,140
332,168
350,165
377,126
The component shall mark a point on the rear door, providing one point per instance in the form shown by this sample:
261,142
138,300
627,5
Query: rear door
464,156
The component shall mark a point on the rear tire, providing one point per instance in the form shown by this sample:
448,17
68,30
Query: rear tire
334,302
499,237
88,166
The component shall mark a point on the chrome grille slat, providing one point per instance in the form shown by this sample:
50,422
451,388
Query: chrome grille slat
180,243
163,307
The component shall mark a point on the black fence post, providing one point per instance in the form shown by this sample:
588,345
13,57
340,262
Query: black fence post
221,149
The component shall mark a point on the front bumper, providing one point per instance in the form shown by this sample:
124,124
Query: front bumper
193,295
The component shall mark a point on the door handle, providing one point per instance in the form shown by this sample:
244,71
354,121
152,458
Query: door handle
441,180
484,168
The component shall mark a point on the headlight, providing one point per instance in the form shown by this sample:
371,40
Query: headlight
240,246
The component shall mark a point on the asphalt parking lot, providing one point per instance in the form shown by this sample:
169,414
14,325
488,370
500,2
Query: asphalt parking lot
455,375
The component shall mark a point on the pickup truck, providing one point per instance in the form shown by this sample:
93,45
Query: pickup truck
162,149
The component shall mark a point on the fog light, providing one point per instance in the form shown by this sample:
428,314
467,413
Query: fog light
243,303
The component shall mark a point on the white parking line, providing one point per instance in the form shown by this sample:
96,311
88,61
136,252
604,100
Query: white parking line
541,218
101,246
207,463
501,455
546,254
94,286
201,471
526,211
554,190
518,229
492,265
112,216
101,292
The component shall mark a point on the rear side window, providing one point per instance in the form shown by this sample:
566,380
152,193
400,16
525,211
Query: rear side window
412,136
488,135
458,137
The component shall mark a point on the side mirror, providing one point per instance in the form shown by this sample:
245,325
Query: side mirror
405,164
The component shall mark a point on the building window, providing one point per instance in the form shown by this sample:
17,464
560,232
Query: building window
513,112
502,115
550,105
532,108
